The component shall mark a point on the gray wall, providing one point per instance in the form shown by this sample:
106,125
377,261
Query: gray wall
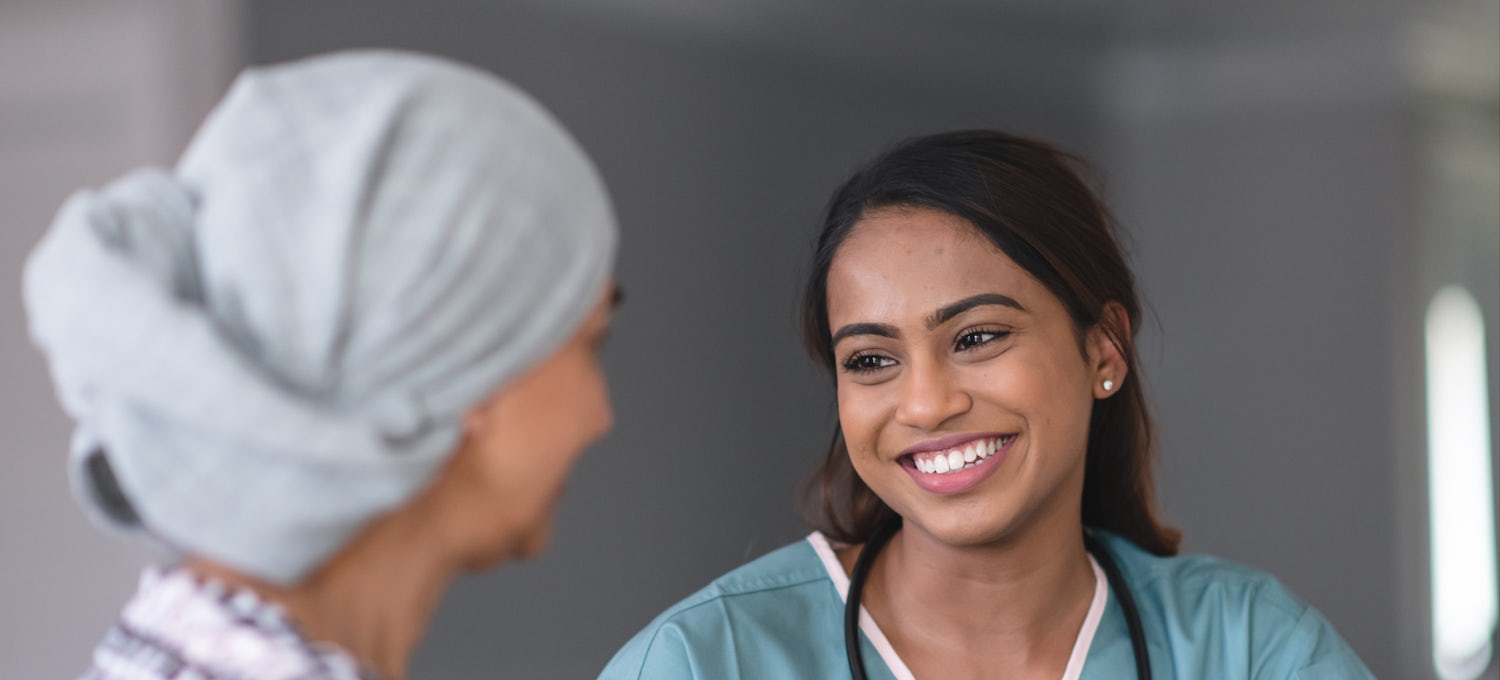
1268,237
719,163
1265,169
1281,182
88,89
1264,234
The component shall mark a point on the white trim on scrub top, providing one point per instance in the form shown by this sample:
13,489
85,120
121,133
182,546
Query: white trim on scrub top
898,667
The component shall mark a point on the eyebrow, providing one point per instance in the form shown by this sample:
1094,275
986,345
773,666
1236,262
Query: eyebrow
947,312
938,318
853,329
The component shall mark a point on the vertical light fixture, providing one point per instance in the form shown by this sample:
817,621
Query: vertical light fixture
1461,498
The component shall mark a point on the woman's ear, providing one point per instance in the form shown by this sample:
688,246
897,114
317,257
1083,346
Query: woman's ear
478,414
472,420
1106,357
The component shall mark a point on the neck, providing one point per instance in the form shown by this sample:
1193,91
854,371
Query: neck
373,599
1020,601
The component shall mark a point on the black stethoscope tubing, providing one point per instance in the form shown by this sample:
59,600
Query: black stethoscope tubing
1101,555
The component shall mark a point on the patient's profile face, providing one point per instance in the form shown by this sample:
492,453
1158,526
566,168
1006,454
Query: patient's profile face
520,444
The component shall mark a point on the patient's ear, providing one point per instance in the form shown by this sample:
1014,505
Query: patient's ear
478,416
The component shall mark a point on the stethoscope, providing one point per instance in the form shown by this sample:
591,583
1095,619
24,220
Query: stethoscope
886,530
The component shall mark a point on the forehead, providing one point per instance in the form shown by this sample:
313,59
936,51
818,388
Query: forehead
900,264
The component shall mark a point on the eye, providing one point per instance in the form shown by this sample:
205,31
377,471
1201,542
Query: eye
975,338
867,362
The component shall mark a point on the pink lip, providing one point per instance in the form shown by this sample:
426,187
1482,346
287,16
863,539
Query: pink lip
956,482
949,442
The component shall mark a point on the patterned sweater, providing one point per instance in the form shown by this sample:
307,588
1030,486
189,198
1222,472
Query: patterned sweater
182,627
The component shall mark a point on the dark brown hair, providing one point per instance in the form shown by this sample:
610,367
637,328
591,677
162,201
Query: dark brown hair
1026,197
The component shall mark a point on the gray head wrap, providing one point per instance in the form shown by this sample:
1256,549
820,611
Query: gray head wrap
276,342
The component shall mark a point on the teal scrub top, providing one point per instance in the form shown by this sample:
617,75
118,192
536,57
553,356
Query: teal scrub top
781,617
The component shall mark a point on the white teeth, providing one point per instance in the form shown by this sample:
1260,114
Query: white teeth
953,460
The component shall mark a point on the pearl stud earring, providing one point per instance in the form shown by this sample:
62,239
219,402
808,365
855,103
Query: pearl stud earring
1109,385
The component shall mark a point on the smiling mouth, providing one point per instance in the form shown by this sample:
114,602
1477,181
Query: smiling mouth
959,458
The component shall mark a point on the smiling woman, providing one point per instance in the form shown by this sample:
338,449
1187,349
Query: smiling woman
985,506
945,376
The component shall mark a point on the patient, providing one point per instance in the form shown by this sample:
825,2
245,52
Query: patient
344,352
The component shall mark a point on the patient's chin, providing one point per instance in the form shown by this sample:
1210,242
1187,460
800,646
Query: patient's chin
536,541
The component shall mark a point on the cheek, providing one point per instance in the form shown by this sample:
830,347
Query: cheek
1016,388
1049,393
539,428
578,413
572,408
581,409
861,416
1040,377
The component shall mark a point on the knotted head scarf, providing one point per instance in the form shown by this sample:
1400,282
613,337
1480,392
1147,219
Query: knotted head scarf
274,343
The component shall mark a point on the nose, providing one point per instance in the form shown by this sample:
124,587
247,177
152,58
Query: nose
609,415
605,410
930,396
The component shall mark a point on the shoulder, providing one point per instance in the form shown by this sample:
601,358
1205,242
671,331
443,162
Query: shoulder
782,595
1197,580
1215,614
789,567
207,629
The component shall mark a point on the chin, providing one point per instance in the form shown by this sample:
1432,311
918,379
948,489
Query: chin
534,542
533,548
965,537
968,530
500,552
485,561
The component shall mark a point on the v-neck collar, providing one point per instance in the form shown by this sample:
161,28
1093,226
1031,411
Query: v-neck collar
867,625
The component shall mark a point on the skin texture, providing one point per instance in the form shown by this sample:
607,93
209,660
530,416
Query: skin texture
521,444
992,581
492,502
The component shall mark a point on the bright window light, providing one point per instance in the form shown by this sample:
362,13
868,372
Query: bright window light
1460,494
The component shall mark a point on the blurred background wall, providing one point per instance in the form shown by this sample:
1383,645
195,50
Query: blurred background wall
1283,171
88,89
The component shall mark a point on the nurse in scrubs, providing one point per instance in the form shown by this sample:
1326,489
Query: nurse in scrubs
989,487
